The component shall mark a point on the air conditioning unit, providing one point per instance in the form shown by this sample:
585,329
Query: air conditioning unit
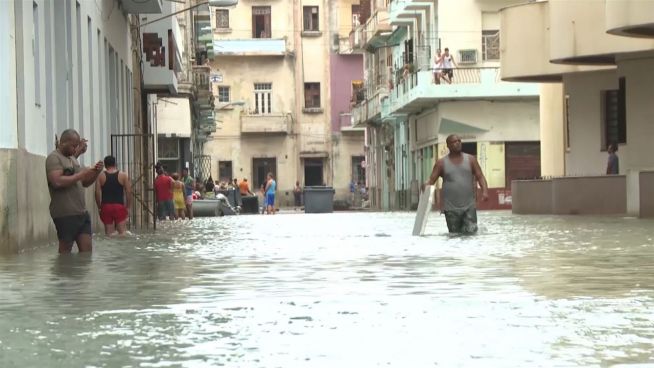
468,56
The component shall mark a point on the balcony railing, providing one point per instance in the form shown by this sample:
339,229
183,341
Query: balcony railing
202,78
376,29
260,123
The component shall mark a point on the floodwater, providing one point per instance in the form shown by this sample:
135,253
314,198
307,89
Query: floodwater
339,290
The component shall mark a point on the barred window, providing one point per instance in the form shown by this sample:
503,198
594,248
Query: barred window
222,18
312,95
490,45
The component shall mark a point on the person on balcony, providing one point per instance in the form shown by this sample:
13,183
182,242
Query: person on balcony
448,64
437,67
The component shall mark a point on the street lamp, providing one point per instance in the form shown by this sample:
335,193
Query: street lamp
214,3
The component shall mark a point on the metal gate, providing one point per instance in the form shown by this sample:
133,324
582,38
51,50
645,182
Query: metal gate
202,166
135,155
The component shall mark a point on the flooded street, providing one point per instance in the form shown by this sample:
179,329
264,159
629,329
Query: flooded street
338,290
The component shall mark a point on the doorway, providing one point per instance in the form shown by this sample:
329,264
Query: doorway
313,168
225,171
260,169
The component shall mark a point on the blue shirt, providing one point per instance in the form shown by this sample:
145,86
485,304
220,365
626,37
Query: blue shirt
613,165
272,187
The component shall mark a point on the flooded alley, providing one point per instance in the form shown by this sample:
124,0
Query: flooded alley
338,290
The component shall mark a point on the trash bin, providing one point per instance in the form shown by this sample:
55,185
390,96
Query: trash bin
318,199
250,204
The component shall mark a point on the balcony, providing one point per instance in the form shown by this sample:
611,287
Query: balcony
419,92
525,39
202,79
265,124
345,123
578,34
402,13
368,111
376,30
251,47
632,18
142,6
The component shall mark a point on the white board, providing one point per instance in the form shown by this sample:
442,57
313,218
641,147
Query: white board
424,207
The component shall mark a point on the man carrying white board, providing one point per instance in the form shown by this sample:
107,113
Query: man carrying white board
460,172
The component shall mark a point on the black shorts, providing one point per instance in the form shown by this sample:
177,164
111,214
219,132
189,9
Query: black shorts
70,227
449,72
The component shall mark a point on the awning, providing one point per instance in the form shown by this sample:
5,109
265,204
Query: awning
173,117
454,127
316,154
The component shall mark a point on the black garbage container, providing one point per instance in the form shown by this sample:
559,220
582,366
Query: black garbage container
250,204
318,199
233,196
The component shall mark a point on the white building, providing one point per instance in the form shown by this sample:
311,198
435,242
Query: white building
68,64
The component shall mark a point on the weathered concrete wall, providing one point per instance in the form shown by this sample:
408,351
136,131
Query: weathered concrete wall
24,199
591,195
24,203
531,196
647,194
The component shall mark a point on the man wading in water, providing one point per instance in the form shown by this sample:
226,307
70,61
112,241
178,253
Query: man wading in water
459,171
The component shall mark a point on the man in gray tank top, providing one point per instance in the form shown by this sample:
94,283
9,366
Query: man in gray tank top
460,173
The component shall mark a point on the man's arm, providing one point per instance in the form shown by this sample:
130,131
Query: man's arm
81,149
58,180
92,174
98,191
436,172
476,170
127,184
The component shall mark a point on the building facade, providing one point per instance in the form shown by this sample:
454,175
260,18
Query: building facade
279,105
71,66
595,60
408,112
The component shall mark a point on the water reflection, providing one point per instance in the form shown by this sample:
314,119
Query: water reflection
338,290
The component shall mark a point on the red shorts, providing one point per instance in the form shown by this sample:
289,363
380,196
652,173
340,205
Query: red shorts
111,213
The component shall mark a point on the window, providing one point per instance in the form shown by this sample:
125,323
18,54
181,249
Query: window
311,95
490,45
262,98
614,119
311,18
36,51
358,170
356,16
222,18
468,56
261,22
168,148
223,94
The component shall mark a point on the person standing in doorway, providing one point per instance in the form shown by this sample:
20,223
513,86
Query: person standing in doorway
271,188
613,162
163,186
66,183
297,195
459,172
189,184
113,196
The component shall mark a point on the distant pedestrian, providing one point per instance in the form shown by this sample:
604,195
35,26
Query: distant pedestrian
297,195
436,67
271,188
261,194
613,162
163,186
189,185
244,188
113,196
178,197
66,183
208,185
459,171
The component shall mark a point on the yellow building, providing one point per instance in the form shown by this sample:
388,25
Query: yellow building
270,74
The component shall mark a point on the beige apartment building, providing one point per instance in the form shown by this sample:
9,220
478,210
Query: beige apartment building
273,78
270,81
